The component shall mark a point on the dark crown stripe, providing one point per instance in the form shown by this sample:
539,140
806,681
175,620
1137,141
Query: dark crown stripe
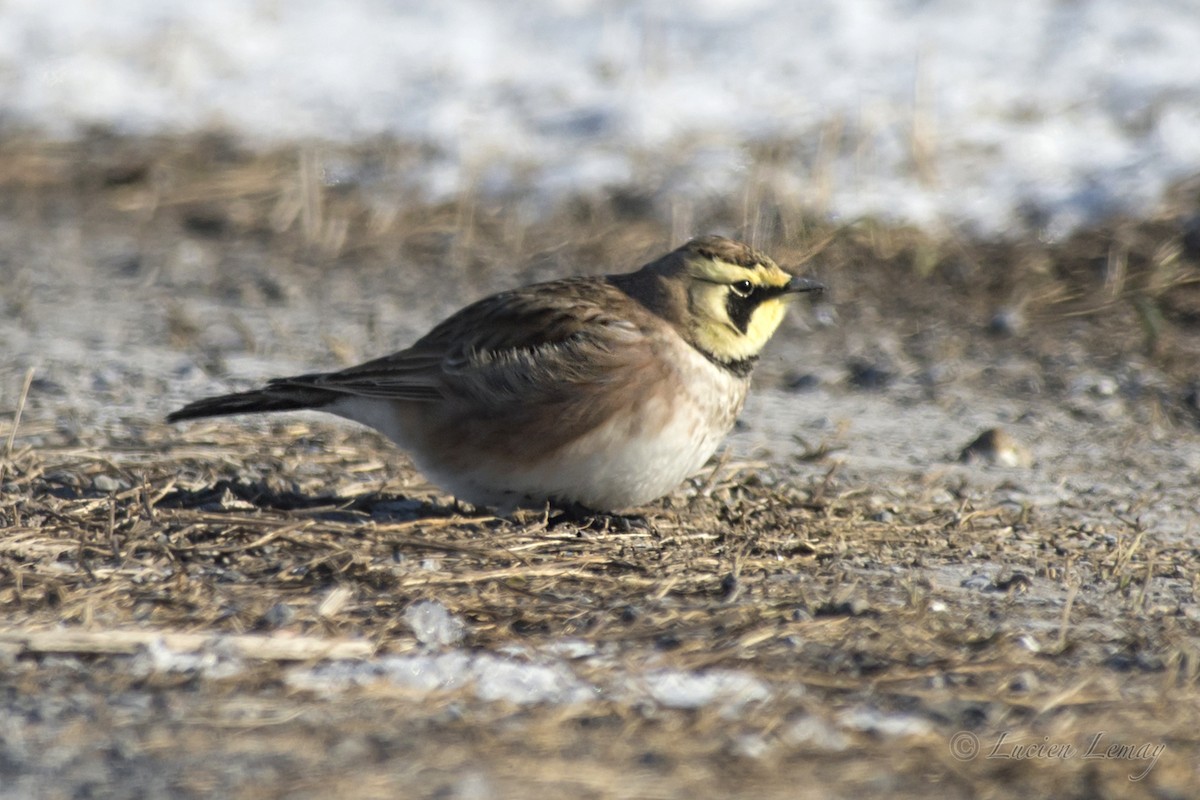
727,250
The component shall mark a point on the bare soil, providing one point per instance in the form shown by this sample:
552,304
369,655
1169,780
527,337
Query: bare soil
226,608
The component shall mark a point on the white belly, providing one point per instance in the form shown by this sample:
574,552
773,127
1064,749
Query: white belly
610,468
624,462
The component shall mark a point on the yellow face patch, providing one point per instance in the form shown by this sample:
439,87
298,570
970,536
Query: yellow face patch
736,308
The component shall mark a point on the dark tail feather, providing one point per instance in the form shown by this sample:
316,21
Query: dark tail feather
270,398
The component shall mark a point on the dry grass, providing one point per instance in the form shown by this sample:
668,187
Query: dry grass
838,612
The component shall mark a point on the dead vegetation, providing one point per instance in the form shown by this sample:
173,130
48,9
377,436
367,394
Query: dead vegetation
883,630
221,542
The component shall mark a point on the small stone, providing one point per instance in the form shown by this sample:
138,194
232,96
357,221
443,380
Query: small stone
802,382
1024,681
1029,643
995,446
978,582
276,616
870,376
941,497
106,483
1006,322
1105,386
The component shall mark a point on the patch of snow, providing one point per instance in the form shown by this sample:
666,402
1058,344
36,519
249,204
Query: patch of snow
728,689
993,116
870,720
216,662
433,624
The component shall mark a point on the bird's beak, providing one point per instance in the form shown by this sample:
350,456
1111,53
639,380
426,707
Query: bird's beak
798,285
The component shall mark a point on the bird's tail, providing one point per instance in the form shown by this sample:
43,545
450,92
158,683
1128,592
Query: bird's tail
274,397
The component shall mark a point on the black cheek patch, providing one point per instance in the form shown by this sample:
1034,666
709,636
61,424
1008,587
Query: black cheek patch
740,309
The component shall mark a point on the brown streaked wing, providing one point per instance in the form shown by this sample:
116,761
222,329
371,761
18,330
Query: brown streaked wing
528,345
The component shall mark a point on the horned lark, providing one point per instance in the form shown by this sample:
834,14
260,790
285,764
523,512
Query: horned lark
603,392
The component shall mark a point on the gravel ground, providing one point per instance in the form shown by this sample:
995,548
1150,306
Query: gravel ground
850,601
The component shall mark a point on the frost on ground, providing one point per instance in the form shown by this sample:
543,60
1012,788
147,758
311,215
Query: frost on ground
282,607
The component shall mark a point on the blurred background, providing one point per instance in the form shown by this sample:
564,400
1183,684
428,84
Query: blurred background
948,114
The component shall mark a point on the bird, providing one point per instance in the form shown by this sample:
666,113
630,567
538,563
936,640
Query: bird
600,393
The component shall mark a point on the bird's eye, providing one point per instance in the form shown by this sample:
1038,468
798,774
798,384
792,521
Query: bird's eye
743,288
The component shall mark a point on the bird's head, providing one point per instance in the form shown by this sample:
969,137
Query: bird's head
736,296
